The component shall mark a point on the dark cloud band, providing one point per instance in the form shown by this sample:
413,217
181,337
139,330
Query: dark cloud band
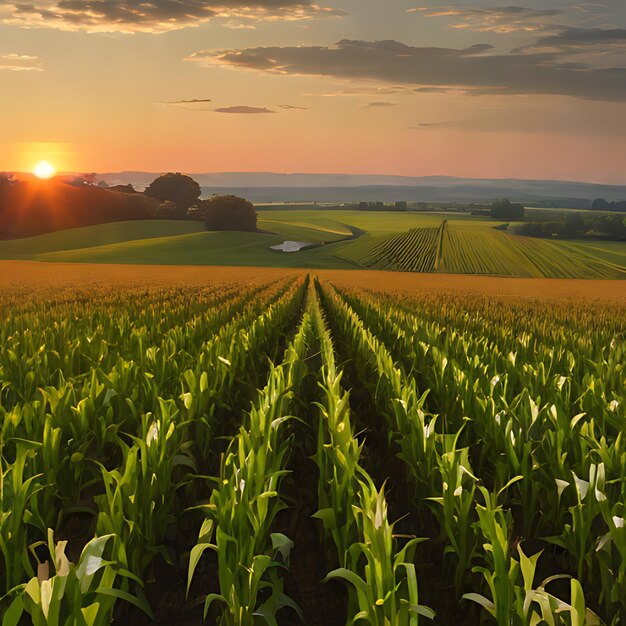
580,40
154,16
477,69
245,110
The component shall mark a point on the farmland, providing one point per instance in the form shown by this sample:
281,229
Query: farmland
257,445
459,250
426,242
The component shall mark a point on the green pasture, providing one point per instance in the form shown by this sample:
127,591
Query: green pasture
343,239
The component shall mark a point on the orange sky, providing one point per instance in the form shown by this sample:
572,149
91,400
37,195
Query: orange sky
350,86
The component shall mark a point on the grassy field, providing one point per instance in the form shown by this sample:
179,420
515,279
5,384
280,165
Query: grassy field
343,239
244,446
610,251
182,243
94,236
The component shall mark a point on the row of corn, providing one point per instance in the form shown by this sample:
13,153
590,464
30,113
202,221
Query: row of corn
108,434
136,417
516,443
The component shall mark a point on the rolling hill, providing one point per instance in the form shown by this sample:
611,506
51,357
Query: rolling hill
182,243
406,242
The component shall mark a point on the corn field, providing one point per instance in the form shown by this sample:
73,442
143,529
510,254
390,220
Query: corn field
292,452
465,250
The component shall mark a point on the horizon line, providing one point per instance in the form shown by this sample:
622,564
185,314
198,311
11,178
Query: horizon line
299,173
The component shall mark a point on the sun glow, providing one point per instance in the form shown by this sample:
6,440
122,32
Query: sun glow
44,170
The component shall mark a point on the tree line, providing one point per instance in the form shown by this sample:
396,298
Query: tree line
576,225
29,207
218,212
600,204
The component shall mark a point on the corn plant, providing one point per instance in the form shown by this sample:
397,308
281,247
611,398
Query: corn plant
387,592
514,601
17,516
246,501
139,501
338,452
455,508
82,595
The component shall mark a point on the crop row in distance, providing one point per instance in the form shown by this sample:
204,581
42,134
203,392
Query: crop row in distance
461,250
291,449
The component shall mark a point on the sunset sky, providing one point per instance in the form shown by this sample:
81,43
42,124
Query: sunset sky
472,88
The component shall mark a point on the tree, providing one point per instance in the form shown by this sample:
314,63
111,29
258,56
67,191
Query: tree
612,225
573,224
83,180
122,188
182,190
166,210
7,180
599,204
617,226
505,209
227,213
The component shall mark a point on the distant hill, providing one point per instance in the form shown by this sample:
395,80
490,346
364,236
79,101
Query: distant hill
32,207
269,187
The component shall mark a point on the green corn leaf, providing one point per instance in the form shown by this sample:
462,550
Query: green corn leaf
212,597
350,577
422,610
140,603
90,613
14,612
578,610
484,602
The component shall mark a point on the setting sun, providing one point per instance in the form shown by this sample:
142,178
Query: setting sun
43,169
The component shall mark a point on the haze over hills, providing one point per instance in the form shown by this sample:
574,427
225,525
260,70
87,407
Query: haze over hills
271,187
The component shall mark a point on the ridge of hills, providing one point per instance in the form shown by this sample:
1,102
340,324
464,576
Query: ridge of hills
277,187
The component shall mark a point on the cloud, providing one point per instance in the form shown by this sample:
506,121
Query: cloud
155,16
556,37
239,25
20,63
532,118
432,90
505,19
477,69
290,107
193,104
382,104
192,101
197,104
368,90
434,125
243,110
579,40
